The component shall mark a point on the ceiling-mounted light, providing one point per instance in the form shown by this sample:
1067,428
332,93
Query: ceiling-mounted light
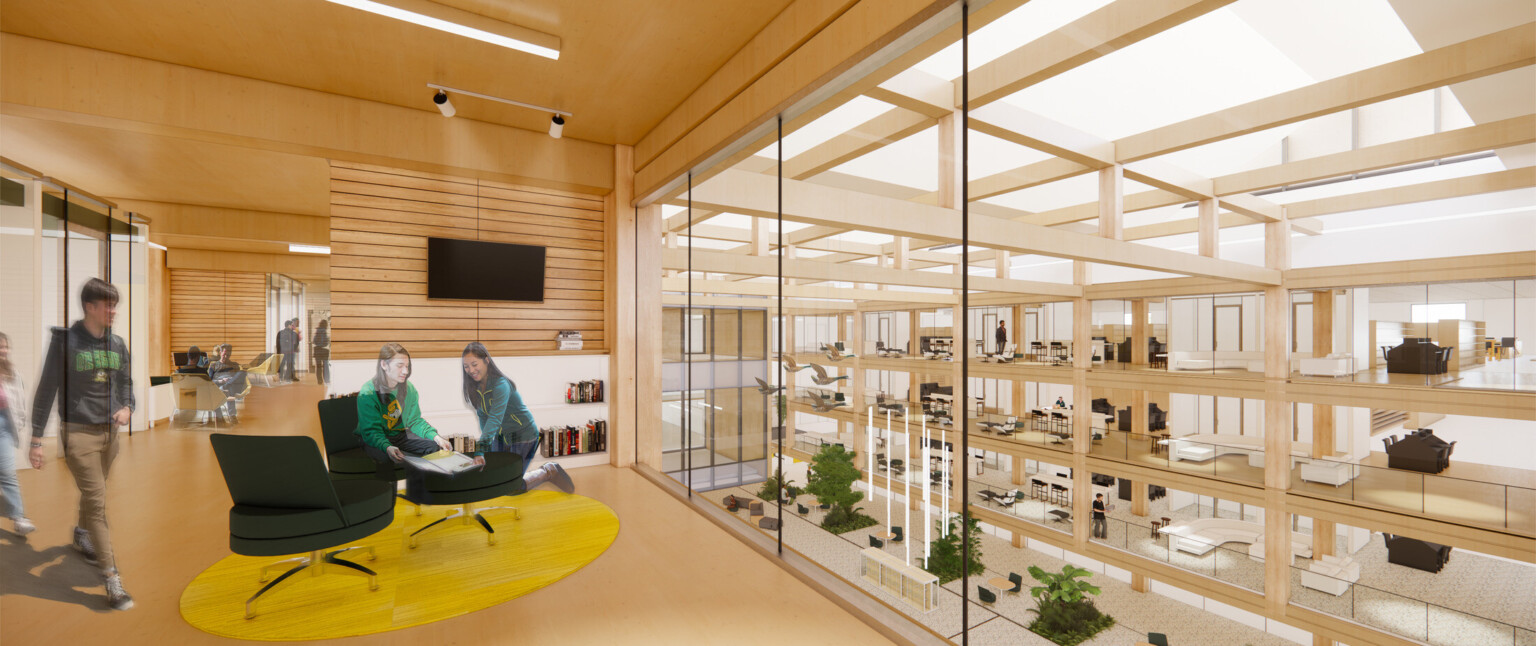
556,123
462,23
441,101
308,248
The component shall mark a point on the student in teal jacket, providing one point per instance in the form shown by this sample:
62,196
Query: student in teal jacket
389,415
505,423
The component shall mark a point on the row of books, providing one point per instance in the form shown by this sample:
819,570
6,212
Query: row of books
555,441
584,392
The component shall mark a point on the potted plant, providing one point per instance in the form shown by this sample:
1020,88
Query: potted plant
831,481
1066,614
944,553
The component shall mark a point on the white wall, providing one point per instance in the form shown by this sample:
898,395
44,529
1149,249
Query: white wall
1483,440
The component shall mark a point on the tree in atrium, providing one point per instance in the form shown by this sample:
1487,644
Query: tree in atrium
831,481
1066,615
944,552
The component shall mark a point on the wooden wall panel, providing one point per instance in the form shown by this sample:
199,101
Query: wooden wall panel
380,221
212,307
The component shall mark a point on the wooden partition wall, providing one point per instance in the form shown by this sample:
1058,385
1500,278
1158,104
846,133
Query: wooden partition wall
213,307
380,221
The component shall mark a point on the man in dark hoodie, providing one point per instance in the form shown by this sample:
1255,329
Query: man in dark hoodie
288,346
89,366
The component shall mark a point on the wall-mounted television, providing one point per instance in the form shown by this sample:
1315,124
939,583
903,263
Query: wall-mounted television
484,271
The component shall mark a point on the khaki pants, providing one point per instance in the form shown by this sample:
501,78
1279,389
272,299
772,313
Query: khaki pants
89,450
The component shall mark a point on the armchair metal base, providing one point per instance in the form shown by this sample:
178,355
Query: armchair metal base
316,560
464,513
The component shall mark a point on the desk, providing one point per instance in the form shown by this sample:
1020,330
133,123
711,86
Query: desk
1001,583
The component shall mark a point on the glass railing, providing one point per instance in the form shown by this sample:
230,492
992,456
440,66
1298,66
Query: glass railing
1336,593
1047,431
1231,562
1238,458
1045,506
1488,504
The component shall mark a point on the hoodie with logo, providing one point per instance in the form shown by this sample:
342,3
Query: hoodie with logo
92,373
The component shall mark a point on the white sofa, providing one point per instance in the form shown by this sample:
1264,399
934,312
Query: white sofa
1331,574
1204,446
1204,534
1301,545
1327,471
1206,360
1333,365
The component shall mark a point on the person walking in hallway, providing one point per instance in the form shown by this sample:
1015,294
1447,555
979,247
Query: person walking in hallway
89,366
322,352
13,418
1100,521
288,346
1002,335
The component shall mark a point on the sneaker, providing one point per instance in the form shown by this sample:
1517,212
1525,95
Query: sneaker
24,526
84,547
559,478
116,596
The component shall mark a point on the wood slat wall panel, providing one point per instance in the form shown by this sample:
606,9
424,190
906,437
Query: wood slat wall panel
208,308
380,220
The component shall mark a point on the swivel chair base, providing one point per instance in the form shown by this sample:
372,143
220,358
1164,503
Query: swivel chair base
316,560
464,513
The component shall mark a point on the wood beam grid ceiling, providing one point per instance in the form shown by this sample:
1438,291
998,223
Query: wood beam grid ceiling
380,221
921,100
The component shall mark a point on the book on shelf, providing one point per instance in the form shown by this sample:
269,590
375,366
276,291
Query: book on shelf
584,392
572,439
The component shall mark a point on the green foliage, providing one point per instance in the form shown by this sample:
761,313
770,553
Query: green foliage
944,553
1066,615
770,487
831,481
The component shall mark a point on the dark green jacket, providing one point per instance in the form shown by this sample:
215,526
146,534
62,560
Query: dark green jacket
379,418
502,413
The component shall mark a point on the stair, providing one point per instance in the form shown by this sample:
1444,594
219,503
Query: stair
1384,419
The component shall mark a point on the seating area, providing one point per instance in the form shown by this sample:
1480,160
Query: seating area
1331,574
1208,360
1418,356
1417,554
1419,451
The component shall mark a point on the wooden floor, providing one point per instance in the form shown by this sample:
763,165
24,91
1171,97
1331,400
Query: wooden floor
671,577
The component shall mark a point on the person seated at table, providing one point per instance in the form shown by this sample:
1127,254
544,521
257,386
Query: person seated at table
505,423
1061,402
197,362
229,377
389,414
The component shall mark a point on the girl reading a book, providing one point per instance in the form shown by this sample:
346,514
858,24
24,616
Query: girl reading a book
389,414
505,423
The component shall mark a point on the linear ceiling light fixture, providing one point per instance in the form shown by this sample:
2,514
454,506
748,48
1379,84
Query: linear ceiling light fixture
556,121
308,248
462,23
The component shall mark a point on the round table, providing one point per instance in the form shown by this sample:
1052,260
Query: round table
1000,582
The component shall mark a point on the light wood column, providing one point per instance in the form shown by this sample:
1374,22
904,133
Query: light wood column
648,351
1278,427
1140,582
1141,332
1139,500
1140,421
621,311
1112,202
855,342
1323,538
1210,229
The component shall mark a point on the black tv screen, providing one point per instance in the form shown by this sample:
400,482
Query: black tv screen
484,271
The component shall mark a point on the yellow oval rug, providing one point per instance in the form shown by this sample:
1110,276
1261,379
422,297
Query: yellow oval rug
452,572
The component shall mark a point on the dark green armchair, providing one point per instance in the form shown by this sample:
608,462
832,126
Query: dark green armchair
986,595
285,502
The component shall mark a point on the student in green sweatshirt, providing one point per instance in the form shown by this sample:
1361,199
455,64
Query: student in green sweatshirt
389,415
505,423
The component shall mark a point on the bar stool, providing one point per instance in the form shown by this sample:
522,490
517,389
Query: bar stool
1166,520
1059,494
1155,528
1036,489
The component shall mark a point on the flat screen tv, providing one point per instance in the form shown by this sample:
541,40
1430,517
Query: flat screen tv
484,271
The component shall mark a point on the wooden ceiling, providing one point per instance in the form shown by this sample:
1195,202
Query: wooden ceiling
624,64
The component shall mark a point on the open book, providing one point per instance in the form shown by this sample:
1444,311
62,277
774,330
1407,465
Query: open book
445,462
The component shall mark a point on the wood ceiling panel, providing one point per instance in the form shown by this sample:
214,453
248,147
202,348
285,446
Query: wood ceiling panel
623,65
